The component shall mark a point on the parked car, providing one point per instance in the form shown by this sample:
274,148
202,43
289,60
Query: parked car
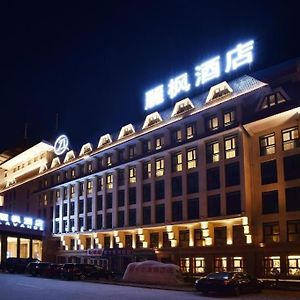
82,271
54,271
16,265
228,282
38,268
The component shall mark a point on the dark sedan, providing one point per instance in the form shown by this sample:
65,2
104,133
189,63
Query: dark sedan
228,282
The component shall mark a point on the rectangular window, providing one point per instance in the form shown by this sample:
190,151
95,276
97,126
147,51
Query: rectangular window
233,203
237,264
290,138
89,204
128,241
121,155
107,241
291,167
99,184
132,217
176,186
72,191
108,220
132,151
193,209
109,200
198,265
220,264
212,152
271,232
214,206
121,177
293,228
99,221
159,189
177,211
146,192
270,202
159,142
238,234
166,241
268,172
132,175
177,162
160,213
292,198
232,174
198,238
109,160
231,147
184,264
159,167
271,263
191,158
147,215
176,136
190,131
294,265
109,181
89,186
132,195
192,183
72,208
99,202
121,218
220,234
228,118
213,178
121,198
267,144
80,206
146,146
147,170
90,168
184,238
213,123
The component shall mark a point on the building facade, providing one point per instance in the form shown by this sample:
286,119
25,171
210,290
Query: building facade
212,184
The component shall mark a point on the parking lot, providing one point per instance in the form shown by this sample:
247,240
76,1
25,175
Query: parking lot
20,286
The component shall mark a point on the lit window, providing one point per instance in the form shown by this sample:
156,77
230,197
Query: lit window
146,146
293,231
267,144
57,194
230,147
271,263
132,175
108,160
294,265
58,178
72,191
228,118
213,123
191,159
190,131
212,152
177,136
72,173
272,100
238,264
147,170
199,265
290,138
90,167
89,186
159,142
220,264
109,181
159,167
177,162
271,232
185,264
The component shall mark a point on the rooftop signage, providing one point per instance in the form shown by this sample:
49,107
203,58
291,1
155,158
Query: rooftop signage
204,72
22,222
61,144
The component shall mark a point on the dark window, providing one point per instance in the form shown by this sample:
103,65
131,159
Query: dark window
271,232
56,211
121,177
72,208
198,238
132,151
88,243
176,186
132,217
193,209
107,241
80,188
239,237
147,215
292,196
154,239
121,198
166,241
99,221
132,195
213,206
293,228
220,234
80,223
121,218
108,220
184,238
232,174
268,172
65,209
146,192
108,200
99,202
291,167
146,146
213,178
270,202
89,203
138,242
160,213
233,203
128,241
177,211
159,189
89,222
176,136
192,183
121,156
80,206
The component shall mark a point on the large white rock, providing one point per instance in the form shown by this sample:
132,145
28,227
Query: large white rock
154,272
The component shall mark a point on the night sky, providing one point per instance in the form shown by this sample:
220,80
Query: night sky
92,62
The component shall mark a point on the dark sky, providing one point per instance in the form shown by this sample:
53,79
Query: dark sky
92,61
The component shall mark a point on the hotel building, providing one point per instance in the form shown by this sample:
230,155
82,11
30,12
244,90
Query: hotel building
211,184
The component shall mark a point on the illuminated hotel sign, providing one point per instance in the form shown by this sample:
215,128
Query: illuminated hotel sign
204,72
61,144
22,222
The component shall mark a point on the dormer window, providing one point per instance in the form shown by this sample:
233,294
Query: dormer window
219,91
272,100
86,148
126,130
152,119
104,140
182,106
